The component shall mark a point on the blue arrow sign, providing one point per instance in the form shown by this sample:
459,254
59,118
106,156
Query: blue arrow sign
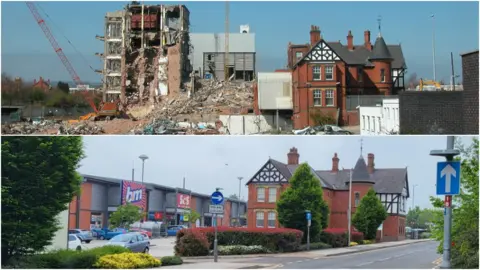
217,197
309,216
448,178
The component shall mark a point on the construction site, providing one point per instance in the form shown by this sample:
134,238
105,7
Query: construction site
149,85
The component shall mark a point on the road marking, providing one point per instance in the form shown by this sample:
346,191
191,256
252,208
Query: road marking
289,262
362,264
318,258
299,261
385,259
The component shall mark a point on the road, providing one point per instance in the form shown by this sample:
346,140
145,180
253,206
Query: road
414,256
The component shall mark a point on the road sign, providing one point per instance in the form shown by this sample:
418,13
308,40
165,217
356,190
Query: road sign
448,178
217,197
215,209
309,216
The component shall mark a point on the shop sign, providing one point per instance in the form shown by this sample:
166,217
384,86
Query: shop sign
183,201
134,193
158,215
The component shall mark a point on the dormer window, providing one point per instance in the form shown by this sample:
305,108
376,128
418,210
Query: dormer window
298,55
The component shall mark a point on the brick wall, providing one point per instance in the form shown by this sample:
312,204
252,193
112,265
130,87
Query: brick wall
443,112
470,95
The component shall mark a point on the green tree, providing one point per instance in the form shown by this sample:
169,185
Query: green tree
304,193
369,215
39,180
421,218
464,252
63,87
193,216
37,95
125,216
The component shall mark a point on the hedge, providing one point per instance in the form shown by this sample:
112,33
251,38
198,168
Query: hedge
315,246
171,260
338,237
275,240
127,261
241,250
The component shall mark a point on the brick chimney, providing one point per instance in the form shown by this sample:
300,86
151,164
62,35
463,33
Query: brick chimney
367,43
371,163
293,156
335,161
34,81
350,40
314,35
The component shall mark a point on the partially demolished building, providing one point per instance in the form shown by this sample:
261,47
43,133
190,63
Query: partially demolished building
146,51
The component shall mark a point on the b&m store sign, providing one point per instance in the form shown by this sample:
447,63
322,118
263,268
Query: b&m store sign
134,193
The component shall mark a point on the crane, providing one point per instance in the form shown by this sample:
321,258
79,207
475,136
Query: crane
58,50
227,37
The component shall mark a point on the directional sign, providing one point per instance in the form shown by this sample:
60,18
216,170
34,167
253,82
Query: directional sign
215,209
448,178
309,216
217,197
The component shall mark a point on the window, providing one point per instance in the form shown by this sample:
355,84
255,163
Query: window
382,75
373,124
363,122
72,238
357,199
317,73
404,204
379,124
260,216
272,195
272,217
260,194
368,123
328,73
317,97
329,97
298,55
360,74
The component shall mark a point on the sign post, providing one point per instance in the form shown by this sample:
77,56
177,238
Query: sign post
448,184
217,200
308,215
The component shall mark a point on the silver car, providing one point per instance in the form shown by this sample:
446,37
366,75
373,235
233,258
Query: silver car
136,242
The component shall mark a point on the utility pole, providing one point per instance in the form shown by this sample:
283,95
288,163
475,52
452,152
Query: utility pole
143,158
433,47
349,215
227,39
449,154
453,72
239,198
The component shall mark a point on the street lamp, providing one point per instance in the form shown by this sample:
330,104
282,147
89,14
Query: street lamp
349,214
433,47
143,158
238,203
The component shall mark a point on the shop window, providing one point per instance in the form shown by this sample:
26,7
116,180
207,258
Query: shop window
260,220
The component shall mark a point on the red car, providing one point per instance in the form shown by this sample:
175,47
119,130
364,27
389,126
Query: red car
144,232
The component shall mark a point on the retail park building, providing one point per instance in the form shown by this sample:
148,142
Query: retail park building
101,196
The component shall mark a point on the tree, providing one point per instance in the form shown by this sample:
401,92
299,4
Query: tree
304,193
369,215
193,216
37,95
464,252
39,180
125,216
421,218
64,87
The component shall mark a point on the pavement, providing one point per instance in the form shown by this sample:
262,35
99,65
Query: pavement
409,254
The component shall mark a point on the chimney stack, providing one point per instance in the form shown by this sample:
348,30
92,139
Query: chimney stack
293,156
350,40
367,43
335,161
34,81
314,35
371,163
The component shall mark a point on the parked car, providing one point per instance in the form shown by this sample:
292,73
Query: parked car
172,230
83,235
74,242
142,231
107,234
134,241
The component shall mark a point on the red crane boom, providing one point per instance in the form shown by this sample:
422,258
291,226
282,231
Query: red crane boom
58,50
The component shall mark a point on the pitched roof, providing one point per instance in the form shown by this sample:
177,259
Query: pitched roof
384,180
360,54
380,50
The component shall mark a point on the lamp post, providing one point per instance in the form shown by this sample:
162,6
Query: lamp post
349,214
433,47
143,158
240,178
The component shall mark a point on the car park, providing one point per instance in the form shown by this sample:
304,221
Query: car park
74,242
172,230
83,235
134,241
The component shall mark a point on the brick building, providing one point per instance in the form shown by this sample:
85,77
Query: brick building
42,84
391,186
101,196
324,73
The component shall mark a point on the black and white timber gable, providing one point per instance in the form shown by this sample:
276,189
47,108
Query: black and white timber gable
269,173
322,53
395,204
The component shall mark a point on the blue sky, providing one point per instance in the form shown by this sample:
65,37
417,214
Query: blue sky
202,159
27,53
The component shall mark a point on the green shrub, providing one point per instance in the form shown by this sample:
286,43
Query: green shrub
171,260
315,246
127,261
241,250
368,242
275,240
334,239
192,243
425,235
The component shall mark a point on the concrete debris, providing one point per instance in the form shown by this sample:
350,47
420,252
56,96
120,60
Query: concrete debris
52,127
170,127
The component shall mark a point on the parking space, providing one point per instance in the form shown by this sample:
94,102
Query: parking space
159,247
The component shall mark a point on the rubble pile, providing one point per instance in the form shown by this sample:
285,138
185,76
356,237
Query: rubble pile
207,98
170,127
52,127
